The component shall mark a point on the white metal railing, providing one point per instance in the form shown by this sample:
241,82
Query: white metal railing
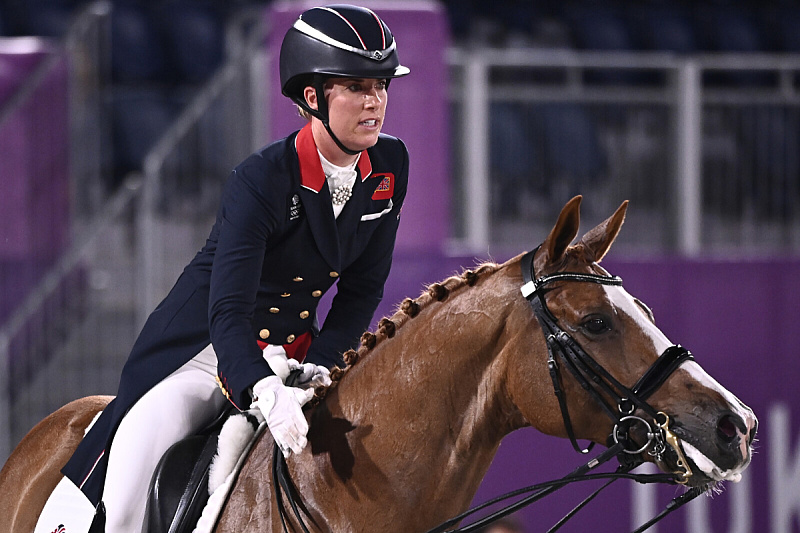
682,91
28,95
49,304
42,301
688,157
113,256
88,45
185,170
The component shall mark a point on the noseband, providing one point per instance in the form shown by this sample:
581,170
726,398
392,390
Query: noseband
597,381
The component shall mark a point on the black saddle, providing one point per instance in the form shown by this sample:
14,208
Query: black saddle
179,489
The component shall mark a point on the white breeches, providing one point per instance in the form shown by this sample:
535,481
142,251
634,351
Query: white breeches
181,404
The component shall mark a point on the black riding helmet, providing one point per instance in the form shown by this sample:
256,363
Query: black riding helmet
341,41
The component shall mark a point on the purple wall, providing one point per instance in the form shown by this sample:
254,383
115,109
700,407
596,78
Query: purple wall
19,57
738,319
416,113
34,143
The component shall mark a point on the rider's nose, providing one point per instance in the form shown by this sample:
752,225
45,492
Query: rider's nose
372,98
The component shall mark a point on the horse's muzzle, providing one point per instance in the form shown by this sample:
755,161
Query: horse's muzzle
721,454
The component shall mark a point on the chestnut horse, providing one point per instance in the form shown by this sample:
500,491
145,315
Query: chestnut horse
403,437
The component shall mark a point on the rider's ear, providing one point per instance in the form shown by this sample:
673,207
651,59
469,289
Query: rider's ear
564,232
310,95
597,241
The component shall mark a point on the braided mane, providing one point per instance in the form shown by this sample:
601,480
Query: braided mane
408,309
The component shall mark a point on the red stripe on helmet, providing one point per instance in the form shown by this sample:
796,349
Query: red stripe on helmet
364,46
380,25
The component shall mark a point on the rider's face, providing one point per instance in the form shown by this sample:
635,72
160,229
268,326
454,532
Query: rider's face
356,109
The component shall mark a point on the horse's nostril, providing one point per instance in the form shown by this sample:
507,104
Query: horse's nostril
726,428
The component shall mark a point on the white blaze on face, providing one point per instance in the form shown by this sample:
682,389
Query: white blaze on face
626,304
739,409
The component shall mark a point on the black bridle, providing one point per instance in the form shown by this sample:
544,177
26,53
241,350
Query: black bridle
615,399
595,379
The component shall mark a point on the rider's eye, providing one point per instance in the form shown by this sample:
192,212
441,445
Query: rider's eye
596,325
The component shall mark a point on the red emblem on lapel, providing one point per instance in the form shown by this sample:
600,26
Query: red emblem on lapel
385,188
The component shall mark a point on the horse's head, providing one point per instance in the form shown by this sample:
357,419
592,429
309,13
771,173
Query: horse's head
601,342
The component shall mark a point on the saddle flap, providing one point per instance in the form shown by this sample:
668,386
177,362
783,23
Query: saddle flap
179,489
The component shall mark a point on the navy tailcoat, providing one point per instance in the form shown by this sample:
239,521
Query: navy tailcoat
274,249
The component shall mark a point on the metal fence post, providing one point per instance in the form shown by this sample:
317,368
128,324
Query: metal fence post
476,157
5,398
687,202
147,242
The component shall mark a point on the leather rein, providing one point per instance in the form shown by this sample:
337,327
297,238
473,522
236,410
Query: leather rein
616,400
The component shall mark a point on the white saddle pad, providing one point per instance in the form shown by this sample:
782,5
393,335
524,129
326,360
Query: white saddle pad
66,511
69,511
235,440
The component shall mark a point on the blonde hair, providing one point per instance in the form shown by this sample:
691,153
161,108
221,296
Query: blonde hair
303,113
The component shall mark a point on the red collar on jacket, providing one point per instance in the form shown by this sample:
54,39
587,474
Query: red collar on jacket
311,174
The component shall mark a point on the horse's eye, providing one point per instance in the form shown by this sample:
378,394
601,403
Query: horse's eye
596,325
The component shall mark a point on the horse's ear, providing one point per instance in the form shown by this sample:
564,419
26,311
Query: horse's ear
564,232
597,241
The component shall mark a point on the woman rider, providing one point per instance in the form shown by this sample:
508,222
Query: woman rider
318,207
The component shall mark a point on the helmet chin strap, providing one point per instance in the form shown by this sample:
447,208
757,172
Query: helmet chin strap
341,146
322,113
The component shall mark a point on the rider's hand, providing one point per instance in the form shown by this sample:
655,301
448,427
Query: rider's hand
311,375
282,409
276,358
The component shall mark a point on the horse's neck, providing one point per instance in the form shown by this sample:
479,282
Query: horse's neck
433,393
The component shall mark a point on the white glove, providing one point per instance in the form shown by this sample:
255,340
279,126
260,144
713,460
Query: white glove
281,407
275,355
312,376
